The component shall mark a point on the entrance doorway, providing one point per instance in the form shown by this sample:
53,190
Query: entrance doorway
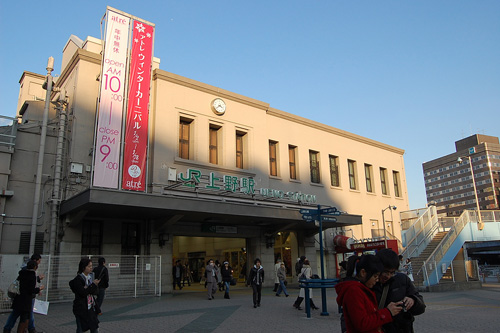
196,251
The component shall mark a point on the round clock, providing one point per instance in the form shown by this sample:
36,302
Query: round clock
218,106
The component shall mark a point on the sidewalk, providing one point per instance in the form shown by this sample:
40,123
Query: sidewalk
189,310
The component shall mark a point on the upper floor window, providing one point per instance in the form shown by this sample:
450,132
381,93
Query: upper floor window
273,158
369,178
383,181
353,184
334,171
397,185
314,166
214,133
292,155
184,138
240,149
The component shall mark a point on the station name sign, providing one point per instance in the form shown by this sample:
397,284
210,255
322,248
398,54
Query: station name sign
245,185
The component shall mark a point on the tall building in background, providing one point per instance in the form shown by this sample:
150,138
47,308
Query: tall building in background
448,179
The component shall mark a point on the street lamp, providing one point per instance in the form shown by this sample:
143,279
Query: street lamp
480,224
383,222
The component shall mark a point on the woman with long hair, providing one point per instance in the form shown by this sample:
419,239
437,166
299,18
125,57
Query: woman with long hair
359,303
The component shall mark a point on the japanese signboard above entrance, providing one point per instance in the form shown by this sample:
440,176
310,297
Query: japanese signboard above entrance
239,185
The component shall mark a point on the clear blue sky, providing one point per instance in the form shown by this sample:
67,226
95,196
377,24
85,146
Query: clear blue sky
412,74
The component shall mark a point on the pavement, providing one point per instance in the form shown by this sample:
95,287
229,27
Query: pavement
189,310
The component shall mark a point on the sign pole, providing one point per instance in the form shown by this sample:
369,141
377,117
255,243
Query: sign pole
323,290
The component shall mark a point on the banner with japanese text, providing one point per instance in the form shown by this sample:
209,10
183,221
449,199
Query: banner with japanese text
136,127
109,121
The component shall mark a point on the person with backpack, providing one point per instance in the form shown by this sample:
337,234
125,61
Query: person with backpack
84,286
11,321
23,301
102,274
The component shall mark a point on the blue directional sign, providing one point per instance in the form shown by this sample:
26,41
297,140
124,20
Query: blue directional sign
328,219
308,211
330,210
309,218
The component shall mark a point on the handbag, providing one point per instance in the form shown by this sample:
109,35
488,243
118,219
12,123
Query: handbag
41,307
232,282
13,289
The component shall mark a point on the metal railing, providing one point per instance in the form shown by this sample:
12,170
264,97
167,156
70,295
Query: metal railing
129,276
8,130
420,233
468,216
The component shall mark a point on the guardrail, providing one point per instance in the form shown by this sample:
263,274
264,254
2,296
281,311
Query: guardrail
420,233
430,265
317,284
129,276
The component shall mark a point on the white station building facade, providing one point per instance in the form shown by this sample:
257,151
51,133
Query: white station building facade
141,161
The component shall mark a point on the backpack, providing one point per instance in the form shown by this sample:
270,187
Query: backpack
14,289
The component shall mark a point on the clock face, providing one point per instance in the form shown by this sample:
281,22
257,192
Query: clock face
218,106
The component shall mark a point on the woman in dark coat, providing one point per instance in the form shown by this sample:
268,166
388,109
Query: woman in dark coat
84,305
23,302
227,275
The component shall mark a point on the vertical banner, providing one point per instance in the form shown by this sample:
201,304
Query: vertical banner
136,128
109,122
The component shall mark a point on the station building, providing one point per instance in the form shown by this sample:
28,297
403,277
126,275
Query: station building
226,176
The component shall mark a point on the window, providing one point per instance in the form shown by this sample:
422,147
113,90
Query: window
353,184
213,144
240,152
273,163
314,165
334,171
397,187
368,177
383,181
292,154
184,138
91,237
24,242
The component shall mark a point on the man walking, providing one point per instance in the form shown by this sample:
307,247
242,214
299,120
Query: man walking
211,275
101,273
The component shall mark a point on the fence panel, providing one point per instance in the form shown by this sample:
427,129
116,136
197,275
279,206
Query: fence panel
129,276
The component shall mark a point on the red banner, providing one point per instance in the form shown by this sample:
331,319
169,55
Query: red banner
136,128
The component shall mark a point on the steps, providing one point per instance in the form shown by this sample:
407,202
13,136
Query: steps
417,262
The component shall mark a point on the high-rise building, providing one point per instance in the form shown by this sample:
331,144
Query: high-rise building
448,179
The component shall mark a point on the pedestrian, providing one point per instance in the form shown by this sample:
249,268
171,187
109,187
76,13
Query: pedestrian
276,279
281,274
305,274
211,275
409,269
23,302
401,264
177,274
187,276
358,301
227,275
256,279
298,265
11,321
102,274
343,270
399,287
220,284
85,287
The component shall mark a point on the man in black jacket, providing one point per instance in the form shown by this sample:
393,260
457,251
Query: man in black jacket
398,288
101,273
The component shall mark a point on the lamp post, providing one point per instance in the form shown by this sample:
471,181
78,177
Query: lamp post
480,224
383,222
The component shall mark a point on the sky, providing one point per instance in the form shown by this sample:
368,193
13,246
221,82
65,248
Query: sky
417,75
